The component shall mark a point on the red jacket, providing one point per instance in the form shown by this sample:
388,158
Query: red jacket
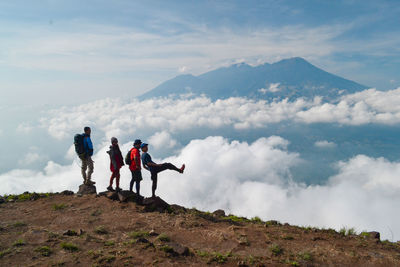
135,154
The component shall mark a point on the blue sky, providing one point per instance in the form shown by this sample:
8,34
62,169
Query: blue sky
53,51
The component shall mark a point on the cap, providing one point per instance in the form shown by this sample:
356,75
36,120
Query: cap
143,145
137,142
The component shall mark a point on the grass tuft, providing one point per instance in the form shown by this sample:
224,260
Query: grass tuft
44,251
139,234
167,249
163,237
256,219
60,206
307,256
19,224
276,250
19,243
69,246
4,252
101,230
109,243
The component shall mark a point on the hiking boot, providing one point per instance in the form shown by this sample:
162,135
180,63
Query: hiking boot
110,189
90,182
182,168
117,189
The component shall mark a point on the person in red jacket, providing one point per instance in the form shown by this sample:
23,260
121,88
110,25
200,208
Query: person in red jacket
116,162
135,166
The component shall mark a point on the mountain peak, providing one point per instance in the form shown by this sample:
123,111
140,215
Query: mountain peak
296,76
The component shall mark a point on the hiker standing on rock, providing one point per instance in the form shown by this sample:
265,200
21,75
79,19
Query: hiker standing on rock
155,168
135,166
116,162
86,157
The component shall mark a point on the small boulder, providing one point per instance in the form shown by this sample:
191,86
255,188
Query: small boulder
34,196
219,213
86,189
112,195
126,195
67,193
153,233
70,233
176,209
178,249
155,204
142,240
374,235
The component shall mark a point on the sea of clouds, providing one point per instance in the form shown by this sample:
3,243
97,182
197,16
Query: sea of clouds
244,178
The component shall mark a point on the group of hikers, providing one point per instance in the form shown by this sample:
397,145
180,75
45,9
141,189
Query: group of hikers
84,149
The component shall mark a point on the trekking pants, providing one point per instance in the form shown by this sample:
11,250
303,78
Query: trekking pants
163,167
87,163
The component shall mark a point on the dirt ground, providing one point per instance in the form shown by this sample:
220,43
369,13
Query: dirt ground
103,232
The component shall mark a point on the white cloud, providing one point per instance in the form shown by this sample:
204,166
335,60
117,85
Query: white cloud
274,87
121,118
162,140
183,69
29,158
324,144
94,48
364,194
24,128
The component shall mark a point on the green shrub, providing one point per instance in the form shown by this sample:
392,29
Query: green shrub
364,234
272,222
69,246
276,249
347,231
202,253
219,257
256,219
44,251
234,218
109,243
19,243
4,252
101,230
139,234
167,249
163,237
307,256
60,206
19,224
108,259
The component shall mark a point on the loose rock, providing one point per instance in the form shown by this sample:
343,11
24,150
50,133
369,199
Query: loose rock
86,189
155,204
219,213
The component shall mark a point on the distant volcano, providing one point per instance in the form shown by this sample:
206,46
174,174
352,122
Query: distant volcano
288,78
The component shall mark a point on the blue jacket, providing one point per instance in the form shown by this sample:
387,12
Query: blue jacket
87,145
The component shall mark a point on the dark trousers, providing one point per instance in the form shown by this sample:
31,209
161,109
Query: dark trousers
136,177
156,170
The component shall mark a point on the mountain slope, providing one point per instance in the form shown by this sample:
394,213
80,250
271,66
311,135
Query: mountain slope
288,78
66,230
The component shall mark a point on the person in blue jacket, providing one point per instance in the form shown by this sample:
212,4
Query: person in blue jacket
87,162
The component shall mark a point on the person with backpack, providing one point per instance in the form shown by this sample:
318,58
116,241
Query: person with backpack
155,168
86,148
116,162
134,166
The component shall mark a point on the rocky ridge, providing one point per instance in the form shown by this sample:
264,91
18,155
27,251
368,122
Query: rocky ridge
123,229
